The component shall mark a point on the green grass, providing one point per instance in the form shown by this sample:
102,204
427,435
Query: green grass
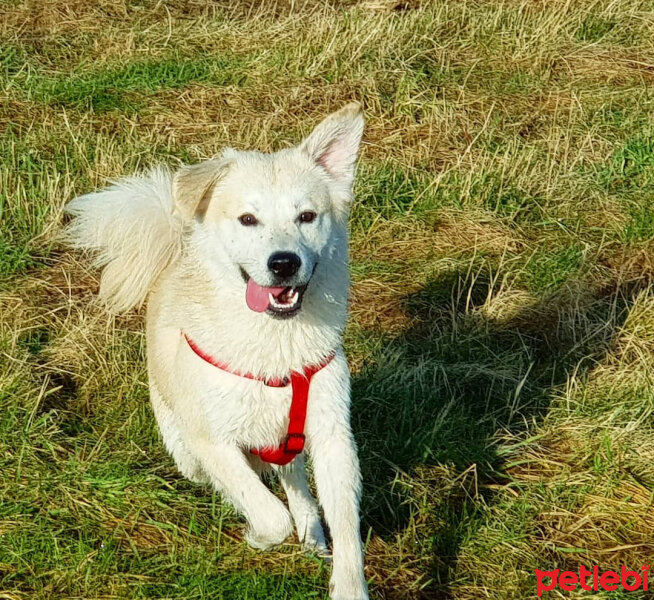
632,166
125,88
502,328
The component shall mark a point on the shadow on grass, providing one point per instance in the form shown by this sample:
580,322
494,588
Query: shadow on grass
435,398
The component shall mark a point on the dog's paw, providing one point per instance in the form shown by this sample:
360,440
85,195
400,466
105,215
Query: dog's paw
312,537
316,547
198,476
337,594
265,540
348,588
271,530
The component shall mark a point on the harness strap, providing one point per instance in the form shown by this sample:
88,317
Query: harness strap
293,442
275,382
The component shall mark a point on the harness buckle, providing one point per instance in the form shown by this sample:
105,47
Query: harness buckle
294,443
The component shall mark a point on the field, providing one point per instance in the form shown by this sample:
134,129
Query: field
502,314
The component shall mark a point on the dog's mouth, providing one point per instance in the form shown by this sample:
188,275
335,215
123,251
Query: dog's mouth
277,301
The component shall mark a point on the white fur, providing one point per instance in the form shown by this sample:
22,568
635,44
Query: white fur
134,233
178,238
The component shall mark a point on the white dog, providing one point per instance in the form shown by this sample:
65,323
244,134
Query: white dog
243,260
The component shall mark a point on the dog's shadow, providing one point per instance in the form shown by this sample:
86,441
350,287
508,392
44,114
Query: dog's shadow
431,401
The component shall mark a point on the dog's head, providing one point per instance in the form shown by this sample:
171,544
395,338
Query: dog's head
270,220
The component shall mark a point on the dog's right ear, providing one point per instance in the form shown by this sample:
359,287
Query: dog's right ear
193,186
334,143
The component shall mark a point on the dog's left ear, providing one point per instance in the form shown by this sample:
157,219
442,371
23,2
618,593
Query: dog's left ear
334,143
193,186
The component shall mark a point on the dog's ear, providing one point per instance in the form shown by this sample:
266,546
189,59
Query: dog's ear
334,143
193,186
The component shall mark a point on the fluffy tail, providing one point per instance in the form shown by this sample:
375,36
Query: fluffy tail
132,230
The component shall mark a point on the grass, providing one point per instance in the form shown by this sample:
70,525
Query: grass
502,329
125,88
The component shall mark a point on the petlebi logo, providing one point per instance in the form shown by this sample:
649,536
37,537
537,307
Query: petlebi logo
592,580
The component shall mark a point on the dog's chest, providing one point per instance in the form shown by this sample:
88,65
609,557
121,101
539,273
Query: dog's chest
251,413
236,409
217,404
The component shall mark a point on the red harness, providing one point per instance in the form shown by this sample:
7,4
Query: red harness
293,442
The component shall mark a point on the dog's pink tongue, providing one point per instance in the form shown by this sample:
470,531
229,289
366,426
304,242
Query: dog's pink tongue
256,295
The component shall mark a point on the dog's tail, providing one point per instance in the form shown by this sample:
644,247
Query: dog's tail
133,231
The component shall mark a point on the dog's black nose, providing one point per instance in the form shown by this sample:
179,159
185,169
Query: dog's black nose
284,264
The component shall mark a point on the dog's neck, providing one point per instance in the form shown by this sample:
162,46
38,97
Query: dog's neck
217,317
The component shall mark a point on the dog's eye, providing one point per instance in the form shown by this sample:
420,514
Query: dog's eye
248,220
307,216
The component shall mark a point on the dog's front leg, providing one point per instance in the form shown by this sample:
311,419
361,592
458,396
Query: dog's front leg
231,474
303,507
338,479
